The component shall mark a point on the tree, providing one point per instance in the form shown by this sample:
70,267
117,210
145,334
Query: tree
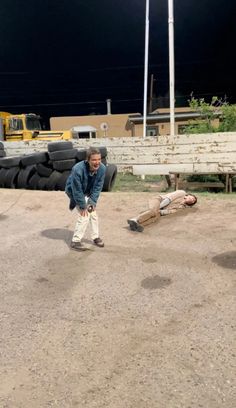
228,119
216,116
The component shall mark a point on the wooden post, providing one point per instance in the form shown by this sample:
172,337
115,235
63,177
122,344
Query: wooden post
227,183
176,181
230,183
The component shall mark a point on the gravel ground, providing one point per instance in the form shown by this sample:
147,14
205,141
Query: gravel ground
146,322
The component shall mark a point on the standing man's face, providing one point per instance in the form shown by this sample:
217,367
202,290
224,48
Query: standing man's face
94,162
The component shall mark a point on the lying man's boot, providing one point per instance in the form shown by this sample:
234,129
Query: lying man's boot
99,242
78,246
134,225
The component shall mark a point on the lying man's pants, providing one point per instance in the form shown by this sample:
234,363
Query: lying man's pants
152,214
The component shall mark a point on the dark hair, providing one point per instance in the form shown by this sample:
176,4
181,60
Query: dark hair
190,205
91,151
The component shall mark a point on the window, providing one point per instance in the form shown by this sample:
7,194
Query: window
80,135
152,130
15,124
32,123
84,135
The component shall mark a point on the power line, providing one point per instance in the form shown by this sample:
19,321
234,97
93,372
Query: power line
133,100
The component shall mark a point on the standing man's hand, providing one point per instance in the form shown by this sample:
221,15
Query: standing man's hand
84,212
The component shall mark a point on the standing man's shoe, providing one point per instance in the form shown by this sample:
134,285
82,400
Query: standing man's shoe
134,225
78,246
99,242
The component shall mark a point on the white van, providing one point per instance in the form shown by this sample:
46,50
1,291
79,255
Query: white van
84,132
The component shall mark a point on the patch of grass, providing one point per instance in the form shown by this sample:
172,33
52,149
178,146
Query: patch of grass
129,182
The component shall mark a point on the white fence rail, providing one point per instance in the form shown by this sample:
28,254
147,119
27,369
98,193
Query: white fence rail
215,152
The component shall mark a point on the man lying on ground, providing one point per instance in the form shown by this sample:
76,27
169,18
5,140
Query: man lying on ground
162,204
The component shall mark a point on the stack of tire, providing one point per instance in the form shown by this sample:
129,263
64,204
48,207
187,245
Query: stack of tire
2,151
62,157
9,170
48,170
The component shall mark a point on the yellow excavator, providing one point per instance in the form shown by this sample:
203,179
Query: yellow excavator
27,126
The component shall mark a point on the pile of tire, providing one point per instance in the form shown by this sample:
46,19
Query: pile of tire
48,170
2,151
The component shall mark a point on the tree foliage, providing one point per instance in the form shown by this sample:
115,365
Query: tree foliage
216,116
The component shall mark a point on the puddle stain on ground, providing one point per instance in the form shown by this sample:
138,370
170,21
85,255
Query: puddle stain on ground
149,260
34,207
226,259
42,280
156,282
118,209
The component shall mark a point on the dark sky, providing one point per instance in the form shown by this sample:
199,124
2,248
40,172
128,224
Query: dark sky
61,57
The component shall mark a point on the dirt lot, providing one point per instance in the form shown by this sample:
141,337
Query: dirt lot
146,322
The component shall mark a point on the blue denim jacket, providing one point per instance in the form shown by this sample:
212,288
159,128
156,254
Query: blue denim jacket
77,184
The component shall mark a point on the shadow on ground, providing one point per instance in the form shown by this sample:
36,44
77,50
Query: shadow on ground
61,234
226,259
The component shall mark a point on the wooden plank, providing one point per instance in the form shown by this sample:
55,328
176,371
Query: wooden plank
132,159
148,141
199,184
160,169
168,141
190,149
203,138
205,168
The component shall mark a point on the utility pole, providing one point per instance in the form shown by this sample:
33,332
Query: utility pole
171,66
151,93
146,69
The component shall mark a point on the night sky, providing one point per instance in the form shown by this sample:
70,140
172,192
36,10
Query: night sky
62,57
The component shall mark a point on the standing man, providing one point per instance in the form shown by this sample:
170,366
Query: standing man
162,204
83,187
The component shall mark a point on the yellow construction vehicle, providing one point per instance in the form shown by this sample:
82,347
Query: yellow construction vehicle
27,127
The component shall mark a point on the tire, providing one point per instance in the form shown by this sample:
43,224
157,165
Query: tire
8,162
110,176
81,155
33,181
103,151
2,153
43,183
43,170
11,177
63,154
53,180
62,181
55,146
2,177
34,158
24,176
63,164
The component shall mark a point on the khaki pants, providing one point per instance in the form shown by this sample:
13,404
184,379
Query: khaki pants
82,224
152,214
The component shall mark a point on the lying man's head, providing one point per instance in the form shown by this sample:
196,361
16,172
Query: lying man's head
190,199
